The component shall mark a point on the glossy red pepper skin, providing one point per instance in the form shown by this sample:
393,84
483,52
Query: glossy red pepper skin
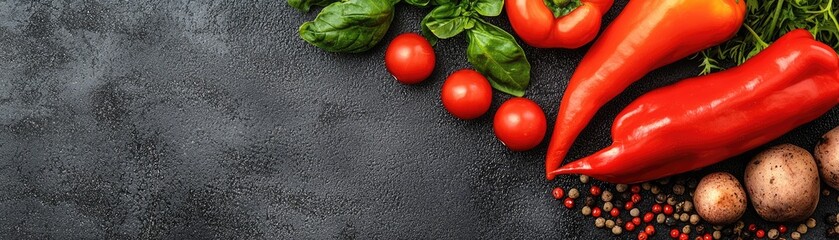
701,121
646,35
536,25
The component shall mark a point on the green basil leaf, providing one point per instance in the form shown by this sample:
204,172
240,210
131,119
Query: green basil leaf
562,7
489,8
418,3
442,2
496,54
306,5
426,32
448,27
349,25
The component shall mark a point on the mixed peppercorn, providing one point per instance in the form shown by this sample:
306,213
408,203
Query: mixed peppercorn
625,211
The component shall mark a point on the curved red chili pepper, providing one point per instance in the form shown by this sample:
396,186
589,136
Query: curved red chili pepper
535,23
646,35
701,121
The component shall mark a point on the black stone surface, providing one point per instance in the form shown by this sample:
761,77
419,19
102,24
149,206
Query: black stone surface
214,120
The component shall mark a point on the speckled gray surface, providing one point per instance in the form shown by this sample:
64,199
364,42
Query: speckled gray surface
213,120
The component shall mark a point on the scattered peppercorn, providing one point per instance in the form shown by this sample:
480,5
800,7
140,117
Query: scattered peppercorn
683,236
670,222
811,223
569,203
614,212
635,188
584,178
634,212
609,223
661,198
599,222
596,212
802,228
674,233
752,227
678,189
655,190
606,196
826,192
672,201
573,193
629,227
833,232
700,229
643,236
650,230
616,230
656,208
773,234
589,201
707,236
687,206
668,209
717,234
607,206
648,217
586,211
636,221
686,229
830,219
618,222
558,193
594,190
636,198
625,196
693,182
628,206
795,235
646,186
660,218
760,233
684,217
621,187
782,228
694,219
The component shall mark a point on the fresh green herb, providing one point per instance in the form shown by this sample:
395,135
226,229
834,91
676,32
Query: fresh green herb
562,7
306,5
768,20
418,3
492,51
350,25
495,53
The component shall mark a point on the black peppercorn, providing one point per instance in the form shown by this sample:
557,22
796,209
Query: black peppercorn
626,196
618,203
831,233
746,234
670,221
727,232
661,198
700,229
830,218
589,202
619,222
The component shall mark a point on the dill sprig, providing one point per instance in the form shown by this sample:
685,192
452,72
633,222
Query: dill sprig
766,21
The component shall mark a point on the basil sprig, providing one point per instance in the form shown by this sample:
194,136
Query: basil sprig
492,51
349,26
306,5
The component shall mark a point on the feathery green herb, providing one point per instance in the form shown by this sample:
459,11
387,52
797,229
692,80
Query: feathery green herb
767,20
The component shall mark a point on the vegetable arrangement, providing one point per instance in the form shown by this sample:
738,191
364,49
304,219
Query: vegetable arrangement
701,121
632,46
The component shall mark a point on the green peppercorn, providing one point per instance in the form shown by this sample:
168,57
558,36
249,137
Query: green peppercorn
621,187
573,193
606,196
599,222
617,230
773,234
678,189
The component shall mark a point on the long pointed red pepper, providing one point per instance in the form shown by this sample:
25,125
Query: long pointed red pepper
698,122
537,25
646,35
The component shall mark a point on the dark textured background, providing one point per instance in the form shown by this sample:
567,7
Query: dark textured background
172,119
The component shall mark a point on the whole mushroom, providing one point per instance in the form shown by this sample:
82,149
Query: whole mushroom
783,183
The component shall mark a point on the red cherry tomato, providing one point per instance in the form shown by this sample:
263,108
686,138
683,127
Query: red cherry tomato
467,94
410,58
520,124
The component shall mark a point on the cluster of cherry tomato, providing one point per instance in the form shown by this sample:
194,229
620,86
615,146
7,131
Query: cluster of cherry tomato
519,123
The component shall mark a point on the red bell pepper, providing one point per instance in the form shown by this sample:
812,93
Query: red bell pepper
646,35
701,121
537,25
